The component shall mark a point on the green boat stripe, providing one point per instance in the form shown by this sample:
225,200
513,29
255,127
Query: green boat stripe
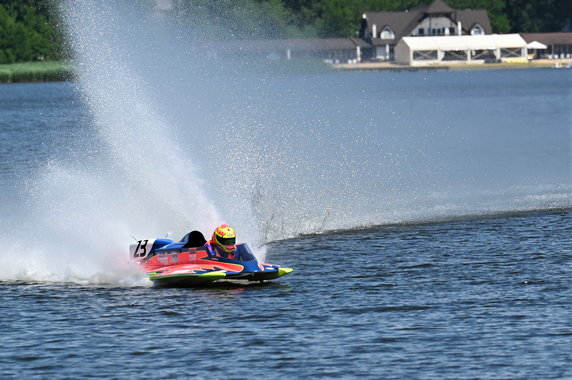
215,274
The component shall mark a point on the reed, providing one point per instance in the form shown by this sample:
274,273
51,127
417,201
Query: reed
35,72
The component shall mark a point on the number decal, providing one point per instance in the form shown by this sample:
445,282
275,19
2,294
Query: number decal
134,251
141,249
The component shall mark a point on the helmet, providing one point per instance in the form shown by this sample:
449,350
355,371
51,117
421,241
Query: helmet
225,238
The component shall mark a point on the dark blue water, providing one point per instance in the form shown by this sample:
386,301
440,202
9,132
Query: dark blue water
478,291
487,298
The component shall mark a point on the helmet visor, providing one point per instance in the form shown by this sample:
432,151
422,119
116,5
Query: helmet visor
226,241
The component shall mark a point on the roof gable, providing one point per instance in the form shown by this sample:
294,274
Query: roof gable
398,21
561,38
471,17
438,7
403,23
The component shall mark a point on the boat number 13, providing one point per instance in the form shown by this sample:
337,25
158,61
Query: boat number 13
141,250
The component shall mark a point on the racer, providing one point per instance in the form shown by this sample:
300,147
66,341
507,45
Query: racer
223,242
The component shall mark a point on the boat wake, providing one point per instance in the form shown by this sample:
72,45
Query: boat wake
176,142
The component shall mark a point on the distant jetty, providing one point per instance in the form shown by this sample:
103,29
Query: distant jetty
391,66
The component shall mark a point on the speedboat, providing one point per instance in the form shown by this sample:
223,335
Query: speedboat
188,263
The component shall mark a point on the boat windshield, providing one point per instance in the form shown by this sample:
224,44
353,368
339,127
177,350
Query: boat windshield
243,253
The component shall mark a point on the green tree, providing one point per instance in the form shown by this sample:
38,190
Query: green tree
337,19
530,16
523,16
495,9
241,19
26,32
8,34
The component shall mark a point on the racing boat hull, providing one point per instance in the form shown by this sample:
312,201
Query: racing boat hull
171,264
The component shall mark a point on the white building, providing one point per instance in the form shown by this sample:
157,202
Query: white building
418,51
383,30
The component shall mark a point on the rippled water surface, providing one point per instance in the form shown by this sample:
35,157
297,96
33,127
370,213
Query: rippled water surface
463,271
485,298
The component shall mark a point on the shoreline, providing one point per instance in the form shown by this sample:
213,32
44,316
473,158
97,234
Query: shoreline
28,72
390,66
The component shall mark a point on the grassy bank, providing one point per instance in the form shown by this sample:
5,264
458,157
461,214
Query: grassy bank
60,71
35,72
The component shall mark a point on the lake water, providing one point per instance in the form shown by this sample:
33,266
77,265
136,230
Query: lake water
474,299
449,194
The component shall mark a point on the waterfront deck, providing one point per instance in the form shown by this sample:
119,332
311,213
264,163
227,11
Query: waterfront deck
391,66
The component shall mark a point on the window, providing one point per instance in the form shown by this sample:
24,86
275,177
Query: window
425,55
387,34
421,32
455,55
477,30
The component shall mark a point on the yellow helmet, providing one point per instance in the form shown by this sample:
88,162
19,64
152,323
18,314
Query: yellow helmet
225,237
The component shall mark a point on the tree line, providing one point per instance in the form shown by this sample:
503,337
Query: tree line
29,32
339,18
